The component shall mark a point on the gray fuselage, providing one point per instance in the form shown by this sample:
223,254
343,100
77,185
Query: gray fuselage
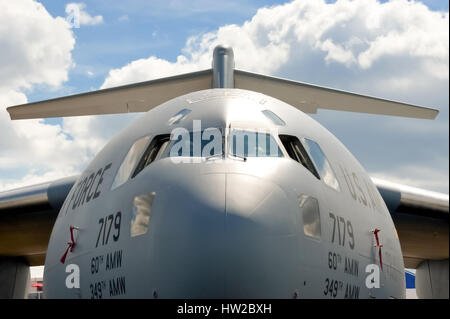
224,227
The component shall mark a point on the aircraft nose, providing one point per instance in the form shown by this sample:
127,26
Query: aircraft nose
186,237
261,239
224,235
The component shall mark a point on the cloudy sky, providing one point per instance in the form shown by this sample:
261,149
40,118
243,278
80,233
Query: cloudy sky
390,49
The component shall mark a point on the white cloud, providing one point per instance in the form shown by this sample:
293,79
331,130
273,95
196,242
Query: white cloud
357,34
36,49
77,8
40,151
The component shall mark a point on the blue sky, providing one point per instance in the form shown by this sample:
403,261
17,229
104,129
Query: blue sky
136,29
158,28
339,45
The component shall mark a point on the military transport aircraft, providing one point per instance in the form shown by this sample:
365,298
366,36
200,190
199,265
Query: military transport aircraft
288,213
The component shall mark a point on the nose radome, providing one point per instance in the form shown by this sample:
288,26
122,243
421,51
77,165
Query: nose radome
261,239
186,252
225,236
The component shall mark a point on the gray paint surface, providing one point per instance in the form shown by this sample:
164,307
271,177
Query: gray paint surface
224,227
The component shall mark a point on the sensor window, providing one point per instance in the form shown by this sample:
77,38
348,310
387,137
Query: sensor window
140,219
309,210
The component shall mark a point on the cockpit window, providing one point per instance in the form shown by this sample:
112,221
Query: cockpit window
177,118
322,164
128,164
253,144
153,152
275,119
195,144
298,153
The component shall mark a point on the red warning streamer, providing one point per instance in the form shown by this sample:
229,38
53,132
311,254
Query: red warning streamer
70,244
375,232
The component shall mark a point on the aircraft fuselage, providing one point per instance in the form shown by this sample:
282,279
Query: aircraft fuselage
226,226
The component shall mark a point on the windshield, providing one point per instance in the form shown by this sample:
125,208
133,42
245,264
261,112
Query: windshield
196,144
210,142
322,164
253,144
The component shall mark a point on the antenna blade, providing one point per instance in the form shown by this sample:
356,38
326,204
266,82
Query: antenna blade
139,97
309,98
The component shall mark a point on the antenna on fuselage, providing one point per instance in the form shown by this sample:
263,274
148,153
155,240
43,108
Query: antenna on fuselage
223,67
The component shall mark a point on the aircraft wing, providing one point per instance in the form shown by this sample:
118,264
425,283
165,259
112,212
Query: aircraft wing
27,216
143,96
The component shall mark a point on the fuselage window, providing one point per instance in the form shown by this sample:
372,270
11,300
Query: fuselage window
129,163
153,152
322,164
253,144
298,153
